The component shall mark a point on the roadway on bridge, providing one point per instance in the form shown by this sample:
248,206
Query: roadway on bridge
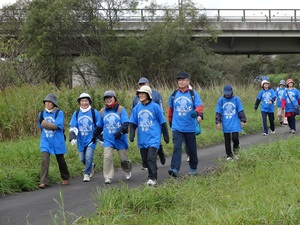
40,207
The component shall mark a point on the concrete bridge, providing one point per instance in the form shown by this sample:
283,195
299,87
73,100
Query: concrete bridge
242,31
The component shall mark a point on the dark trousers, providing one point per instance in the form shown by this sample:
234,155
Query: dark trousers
271,120
292,122
63,168
190,141
149,161
234,136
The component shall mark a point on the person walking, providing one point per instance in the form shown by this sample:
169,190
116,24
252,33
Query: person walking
82,126
184,106
114,123
156,98
148,117
231,117
290,99
267,96
280,112
52,141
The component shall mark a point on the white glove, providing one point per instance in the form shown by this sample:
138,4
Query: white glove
73,142
101,143
74,129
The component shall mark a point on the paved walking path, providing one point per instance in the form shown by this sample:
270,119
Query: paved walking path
42,206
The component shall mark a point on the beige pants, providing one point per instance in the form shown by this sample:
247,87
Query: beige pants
108,166
281,117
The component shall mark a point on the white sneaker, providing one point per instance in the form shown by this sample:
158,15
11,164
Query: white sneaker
151,182
107,181
273,132
144,168
86,178
92,170
264,134
128,175
229,158
293,131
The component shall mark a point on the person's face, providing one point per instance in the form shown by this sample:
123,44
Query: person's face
109,100
291,84
49,105
84,103
266,86
182,83
143,97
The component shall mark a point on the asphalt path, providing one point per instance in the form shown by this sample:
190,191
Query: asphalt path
78,199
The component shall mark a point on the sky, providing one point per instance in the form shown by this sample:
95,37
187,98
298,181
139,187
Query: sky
223,4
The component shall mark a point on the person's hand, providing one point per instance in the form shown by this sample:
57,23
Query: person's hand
194,114
199,119
118,135
242,124
73,141
219,126
254,110
131,139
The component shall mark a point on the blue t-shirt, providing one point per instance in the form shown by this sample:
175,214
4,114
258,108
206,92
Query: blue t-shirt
266,96
229,109
279,94
293,95
86,126
53,141
149,119
182,106
112,122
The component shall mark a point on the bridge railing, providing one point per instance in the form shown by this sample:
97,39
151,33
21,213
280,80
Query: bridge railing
220,15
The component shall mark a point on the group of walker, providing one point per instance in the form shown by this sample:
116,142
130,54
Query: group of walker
185,110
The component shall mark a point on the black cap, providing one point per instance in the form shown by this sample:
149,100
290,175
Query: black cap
182,75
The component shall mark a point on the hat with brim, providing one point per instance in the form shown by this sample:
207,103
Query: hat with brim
145,89
51,98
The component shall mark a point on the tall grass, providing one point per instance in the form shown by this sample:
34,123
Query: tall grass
20,158
260,188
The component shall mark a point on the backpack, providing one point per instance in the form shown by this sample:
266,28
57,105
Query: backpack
41,118
191,93
93,115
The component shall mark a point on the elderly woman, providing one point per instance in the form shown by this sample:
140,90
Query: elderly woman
51,123
114,123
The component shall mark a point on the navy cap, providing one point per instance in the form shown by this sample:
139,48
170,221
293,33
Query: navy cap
227,90
143,80
182,75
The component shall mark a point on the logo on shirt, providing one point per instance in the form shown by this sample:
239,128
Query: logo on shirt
145,119
85,125
229,110
185,105
267,97
291,97
112,122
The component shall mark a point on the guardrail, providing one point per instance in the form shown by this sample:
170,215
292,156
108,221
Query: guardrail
219,15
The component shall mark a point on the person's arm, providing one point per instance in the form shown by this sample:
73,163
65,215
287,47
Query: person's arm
132,128
165,132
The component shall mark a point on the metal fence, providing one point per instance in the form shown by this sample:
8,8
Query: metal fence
220,15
